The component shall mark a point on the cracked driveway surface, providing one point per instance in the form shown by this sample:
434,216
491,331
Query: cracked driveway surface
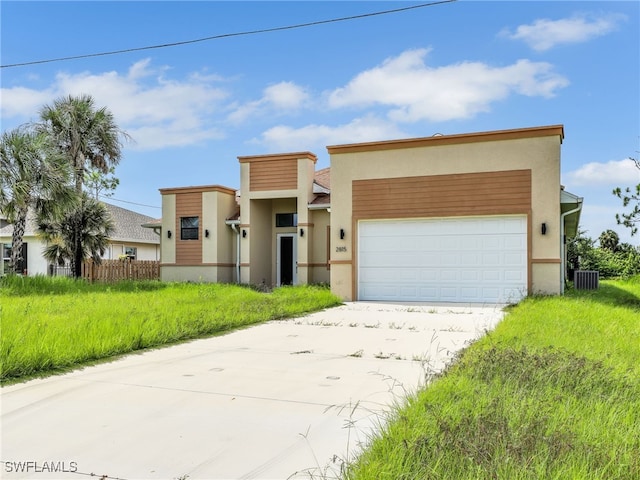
285,399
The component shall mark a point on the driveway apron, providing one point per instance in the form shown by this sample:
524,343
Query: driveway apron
286,399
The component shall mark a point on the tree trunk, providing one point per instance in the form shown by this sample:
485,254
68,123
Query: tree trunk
17,241
76,261
77,257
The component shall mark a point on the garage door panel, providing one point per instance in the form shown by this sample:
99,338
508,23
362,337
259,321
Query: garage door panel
471,259
429,275
509,258
470,276
514,276
480,259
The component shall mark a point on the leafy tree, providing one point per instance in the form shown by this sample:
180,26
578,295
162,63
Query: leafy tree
609,240
89,138
95,224
582,254
632,218
33,175
99,183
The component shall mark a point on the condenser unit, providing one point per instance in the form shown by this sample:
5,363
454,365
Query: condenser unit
586,279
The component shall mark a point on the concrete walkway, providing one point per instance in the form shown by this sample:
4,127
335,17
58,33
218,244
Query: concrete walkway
288,399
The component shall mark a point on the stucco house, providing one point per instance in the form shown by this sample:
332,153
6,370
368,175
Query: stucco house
129,238
476,217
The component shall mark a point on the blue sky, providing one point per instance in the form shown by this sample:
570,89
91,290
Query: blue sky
451,68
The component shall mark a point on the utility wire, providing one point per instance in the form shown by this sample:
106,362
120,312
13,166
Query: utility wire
125,201
227,35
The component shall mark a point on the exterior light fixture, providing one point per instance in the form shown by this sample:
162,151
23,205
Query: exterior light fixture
206,233
544,229
342,234
168,233
302,232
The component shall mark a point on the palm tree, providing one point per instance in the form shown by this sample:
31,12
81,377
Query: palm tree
90,139
609,240
32,176
96,225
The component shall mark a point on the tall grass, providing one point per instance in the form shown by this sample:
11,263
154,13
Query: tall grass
553,392
52,324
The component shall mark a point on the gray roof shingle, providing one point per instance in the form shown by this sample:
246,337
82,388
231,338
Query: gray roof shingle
128,226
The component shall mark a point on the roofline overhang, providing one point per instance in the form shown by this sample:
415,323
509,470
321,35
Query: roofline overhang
568,197
133,240
438,140
198,189
278,156
319,206
317,188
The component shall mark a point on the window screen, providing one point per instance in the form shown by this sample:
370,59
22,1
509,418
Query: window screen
189,228
286,219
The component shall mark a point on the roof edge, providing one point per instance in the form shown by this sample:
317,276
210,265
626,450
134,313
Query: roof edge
490,136
278,156
198,189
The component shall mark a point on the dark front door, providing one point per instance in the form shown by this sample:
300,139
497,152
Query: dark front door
286,260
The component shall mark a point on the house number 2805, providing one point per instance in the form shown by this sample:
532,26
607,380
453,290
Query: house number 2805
341,249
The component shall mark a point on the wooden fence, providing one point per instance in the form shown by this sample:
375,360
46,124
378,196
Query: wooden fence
115,270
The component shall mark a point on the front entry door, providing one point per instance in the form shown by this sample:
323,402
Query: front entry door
286,259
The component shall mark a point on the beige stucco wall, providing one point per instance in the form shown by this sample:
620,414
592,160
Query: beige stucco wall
204,274
168,245
218,249
210,222
260,242
227,206
319,273
258,210
220,246
540,154
145,251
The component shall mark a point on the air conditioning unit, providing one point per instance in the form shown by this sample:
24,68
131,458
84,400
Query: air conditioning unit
586,279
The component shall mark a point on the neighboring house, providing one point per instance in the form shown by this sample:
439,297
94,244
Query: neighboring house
129,238
478,217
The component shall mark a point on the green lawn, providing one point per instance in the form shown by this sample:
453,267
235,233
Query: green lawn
49,325
552,393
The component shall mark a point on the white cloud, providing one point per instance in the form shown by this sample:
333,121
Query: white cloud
281,97
156,111
614,173
285,95
23,103
370,128
545,34
415,91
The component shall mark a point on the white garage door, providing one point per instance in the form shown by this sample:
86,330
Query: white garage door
478,259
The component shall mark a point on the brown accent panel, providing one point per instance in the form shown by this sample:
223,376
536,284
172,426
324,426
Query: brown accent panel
546,260
188,252
273,175
340,262
486,193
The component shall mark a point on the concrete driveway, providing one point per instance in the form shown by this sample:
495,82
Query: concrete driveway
288,399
